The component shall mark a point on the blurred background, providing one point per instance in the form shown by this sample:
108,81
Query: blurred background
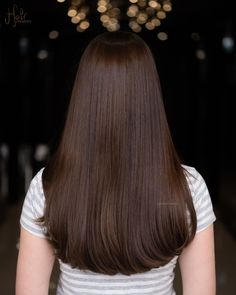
194,46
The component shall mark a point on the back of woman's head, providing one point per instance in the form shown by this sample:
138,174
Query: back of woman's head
117,73
116,193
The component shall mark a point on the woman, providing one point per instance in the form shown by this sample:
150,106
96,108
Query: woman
114,204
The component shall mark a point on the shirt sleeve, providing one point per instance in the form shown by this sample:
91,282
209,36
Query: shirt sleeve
33,207
202,202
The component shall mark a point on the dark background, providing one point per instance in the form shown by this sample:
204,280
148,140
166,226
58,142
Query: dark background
198,93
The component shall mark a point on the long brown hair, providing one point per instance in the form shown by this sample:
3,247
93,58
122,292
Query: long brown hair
117,199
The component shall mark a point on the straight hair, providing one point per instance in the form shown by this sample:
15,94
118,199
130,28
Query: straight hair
117,197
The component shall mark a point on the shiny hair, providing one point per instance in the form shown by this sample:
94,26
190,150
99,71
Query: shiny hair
117,197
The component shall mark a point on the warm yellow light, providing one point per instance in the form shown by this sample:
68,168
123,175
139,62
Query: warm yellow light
133,23
150,26
105,23
153,4
134,7
75,19
72,11
102,3
61,1
162,36
135,26
156,22
53,35
113,27
84,24
132,10
113,21
104,18
145,12
114,12
117,27
130,13
167,7
161,14
79,29
101,9
142,18
137,29
81,15
112,24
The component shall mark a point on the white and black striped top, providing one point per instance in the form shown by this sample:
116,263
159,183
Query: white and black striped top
158,281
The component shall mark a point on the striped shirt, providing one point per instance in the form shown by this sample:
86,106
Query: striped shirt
158,281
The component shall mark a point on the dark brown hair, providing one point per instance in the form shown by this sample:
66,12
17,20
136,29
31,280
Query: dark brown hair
117,199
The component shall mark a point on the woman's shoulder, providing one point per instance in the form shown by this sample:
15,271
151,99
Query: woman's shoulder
36,182
190,170
35,194
33,206
201,197
38,175
194,178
